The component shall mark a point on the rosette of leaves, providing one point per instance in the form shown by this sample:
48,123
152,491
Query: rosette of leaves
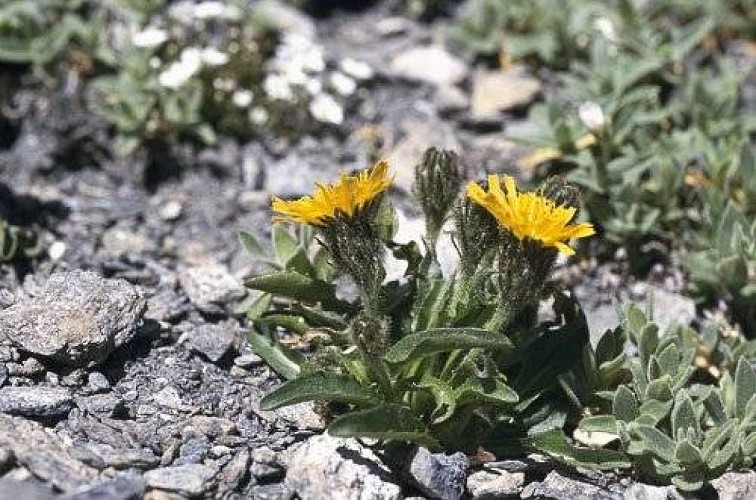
430,361
54,36
669,427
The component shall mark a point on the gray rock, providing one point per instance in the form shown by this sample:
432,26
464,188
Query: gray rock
496,91
560,487
235,471
107,405
248,360
23,490
736,485
495,484
328,467
128,486
190,479
273,491
210,287
640,491
450,99
212,341
438,475
213,427
193,451
122,458
43,454
432,64
78,319
98,382
670,308
37,402
267,465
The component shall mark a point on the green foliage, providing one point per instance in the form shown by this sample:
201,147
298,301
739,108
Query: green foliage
450,362
665,423
650,123
17,243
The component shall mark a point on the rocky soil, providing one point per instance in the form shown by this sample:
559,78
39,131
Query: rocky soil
124,369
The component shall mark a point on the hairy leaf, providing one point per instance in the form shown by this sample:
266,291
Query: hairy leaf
322,386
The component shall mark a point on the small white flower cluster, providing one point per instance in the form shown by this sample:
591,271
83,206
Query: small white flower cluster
189,63
188,12
299,66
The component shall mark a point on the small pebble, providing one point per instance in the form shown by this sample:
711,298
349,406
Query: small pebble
171,210
98,382
56,251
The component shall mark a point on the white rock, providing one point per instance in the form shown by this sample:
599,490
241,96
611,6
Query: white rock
496,91
328,467
56,250
432,64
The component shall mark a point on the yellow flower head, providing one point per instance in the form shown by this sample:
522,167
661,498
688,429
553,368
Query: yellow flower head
529,215
345,197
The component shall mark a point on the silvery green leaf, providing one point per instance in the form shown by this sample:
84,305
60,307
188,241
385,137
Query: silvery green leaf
745,386
554,443
599,423
625,405
319,386
687,453
429,342
386,421
656,442
684,415
660,389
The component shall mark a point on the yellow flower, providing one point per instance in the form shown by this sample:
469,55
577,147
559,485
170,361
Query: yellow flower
345,197
529,215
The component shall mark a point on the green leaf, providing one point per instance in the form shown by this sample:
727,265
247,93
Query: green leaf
687,453
655,442
299,287
387,421
429,342
749,446
657,410
284,361
684,416
624,405
250,244
485,390
599,423
688,481
319,386
648,342
660,389
259,306
284,244
635,320
554,443
745,386
444,395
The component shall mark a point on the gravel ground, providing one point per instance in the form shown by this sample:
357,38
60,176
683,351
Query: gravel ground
124,372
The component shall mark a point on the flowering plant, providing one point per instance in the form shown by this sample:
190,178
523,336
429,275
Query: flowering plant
446,361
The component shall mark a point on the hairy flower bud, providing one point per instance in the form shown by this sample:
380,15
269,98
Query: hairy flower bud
437,182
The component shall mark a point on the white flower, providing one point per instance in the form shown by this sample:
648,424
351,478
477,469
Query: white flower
179,72
149,38
155,62
214,57
343,84
258,115
313,86
324,108
242,98
182,12
313,60
605,26
277,87
356,69
591,115
224,84
215,10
